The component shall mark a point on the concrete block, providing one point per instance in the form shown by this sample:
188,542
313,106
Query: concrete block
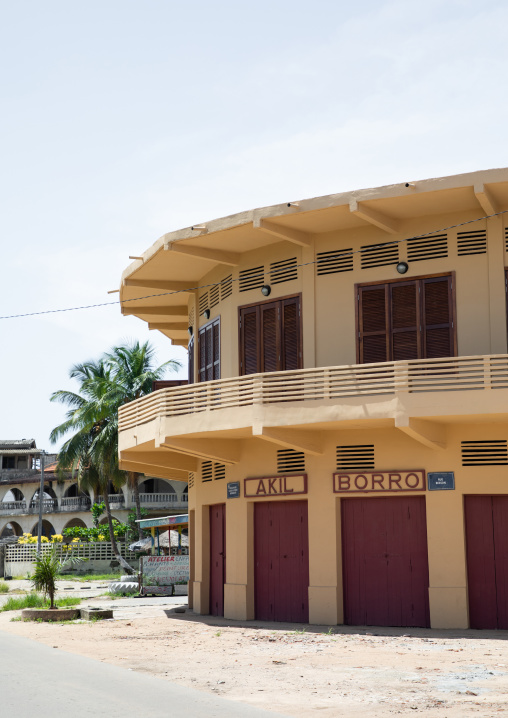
93,614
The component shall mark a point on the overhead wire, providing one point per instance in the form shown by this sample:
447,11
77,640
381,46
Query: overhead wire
345,253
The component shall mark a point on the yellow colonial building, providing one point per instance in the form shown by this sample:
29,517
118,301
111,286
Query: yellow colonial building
344,432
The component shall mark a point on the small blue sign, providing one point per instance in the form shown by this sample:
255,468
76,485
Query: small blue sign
441,481
233,490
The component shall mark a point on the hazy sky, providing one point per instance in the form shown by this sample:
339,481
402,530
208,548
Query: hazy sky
123,120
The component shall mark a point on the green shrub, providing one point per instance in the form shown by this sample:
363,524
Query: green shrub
35,600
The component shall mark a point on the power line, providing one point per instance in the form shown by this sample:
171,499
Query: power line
347,253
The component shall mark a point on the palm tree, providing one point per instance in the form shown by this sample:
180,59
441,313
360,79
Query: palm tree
92,450
133,373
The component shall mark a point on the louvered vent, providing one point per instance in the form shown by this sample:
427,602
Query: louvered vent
357,456
219,471
191,480
210,470
484,453
472,243
203,302
214,296
226,288
506,239
290,461
379,255
338,260
252,278
420,249
191,317
206,471
284,271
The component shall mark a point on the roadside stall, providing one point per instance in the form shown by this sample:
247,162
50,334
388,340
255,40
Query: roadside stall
159,574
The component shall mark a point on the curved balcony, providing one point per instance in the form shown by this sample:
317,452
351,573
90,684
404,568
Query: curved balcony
388,390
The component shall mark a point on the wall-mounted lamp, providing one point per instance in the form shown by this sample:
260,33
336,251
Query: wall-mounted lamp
266,290
206,314
198,228
293,204
191,331
410,184
402,267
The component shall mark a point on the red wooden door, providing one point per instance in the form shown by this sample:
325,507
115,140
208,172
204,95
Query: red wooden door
385,563
487,560
281,556
217,558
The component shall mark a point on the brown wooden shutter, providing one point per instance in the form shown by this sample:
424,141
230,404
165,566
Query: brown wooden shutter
209,351
216,349
290,332
437,319
191,360
202,354
405,321
249,340
270,336
373,324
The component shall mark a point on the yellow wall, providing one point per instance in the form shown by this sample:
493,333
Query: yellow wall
393,451
328,302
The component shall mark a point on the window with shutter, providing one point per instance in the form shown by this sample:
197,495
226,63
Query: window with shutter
191,360
403,320
270,336
209,351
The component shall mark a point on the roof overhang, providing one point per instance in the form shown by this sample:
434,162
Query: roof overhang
156,287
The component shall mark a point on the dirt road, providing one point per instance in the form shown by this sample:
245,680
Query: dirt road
298,671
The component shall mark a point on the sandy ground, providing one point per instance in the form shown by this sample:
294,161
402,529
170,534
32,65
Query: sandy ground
296,670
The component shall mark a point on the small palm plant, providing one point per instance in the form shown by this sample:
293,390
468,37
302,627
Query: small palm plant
47,567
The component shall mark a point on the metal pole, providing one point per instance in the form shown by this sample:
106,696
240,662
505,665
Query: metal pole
41,493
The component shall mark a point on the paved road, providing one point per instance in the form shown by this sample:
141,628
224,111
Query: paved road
40,681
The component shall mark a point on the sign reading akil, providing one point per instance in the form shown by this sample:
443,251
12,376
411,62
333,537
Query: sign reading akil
377,481
275,486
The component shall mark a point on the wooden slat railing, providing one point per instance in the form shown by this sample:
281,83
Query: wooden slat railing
327,383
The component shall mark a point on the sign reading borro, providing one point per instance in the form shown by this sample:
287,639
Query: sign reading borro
164,571
378,481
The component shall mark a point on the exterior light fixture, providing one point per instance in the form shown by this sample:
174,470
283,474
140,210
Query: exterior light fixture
266,290
293,204
198,228
206,314
402,267
191,331
410,184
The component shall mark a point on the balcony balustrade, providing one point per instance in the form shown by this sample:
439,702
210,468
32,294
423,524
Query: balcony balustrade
48,506
334,384
12,507
160,500
115,500
82,503
75,503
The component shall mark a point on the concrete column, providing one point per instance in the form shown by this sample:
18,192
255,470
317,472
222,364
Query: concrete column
447,560
497,290
201,588
325,585
308,307
239,589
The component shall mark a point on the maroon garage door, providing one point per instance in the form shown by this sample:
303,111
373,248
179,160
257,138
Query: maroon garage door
281,556
487,560
385,564
217,559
